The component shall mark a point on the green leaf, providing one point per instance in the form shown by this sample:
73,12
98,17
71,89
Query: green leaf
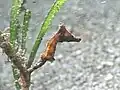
25,26
15,11
51,14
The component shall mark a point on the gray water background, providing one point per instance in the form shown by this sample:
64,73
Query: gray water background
93,64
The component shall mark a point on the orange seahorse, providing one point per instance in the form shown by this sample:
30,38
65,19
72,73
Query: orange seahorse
61,36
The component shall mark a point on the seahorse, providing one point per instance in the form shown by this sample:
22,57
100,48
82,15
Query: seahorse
61,36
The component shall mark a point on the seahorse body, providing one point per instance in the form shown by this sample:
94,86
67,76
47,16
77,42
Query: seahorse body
49,52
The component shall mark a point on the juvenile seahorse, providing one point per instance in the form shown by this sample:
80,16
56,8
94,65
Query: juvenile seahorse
61,36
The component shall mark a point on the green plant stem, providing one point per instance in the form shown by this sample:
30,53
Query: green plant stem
15,11
51,14
16,77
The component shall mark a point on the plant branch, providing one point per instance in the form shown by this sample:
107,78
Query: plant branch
18,63
16,58
38,65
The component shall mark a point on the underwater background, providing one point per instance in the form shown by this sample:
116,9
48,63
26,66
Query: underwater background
92,64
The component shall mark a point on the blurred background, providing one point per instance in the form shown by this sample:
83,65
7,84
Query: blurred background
92,64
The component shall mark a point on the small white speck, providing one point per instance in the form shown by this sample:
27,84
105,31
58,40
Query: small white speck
78,52
110,50
103,2
59,56
99,67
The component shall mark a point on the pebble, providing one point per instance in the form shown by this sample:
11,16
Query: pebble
117,60
103,2
99,67
60,56
108,77
110,50
108,63
76,53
